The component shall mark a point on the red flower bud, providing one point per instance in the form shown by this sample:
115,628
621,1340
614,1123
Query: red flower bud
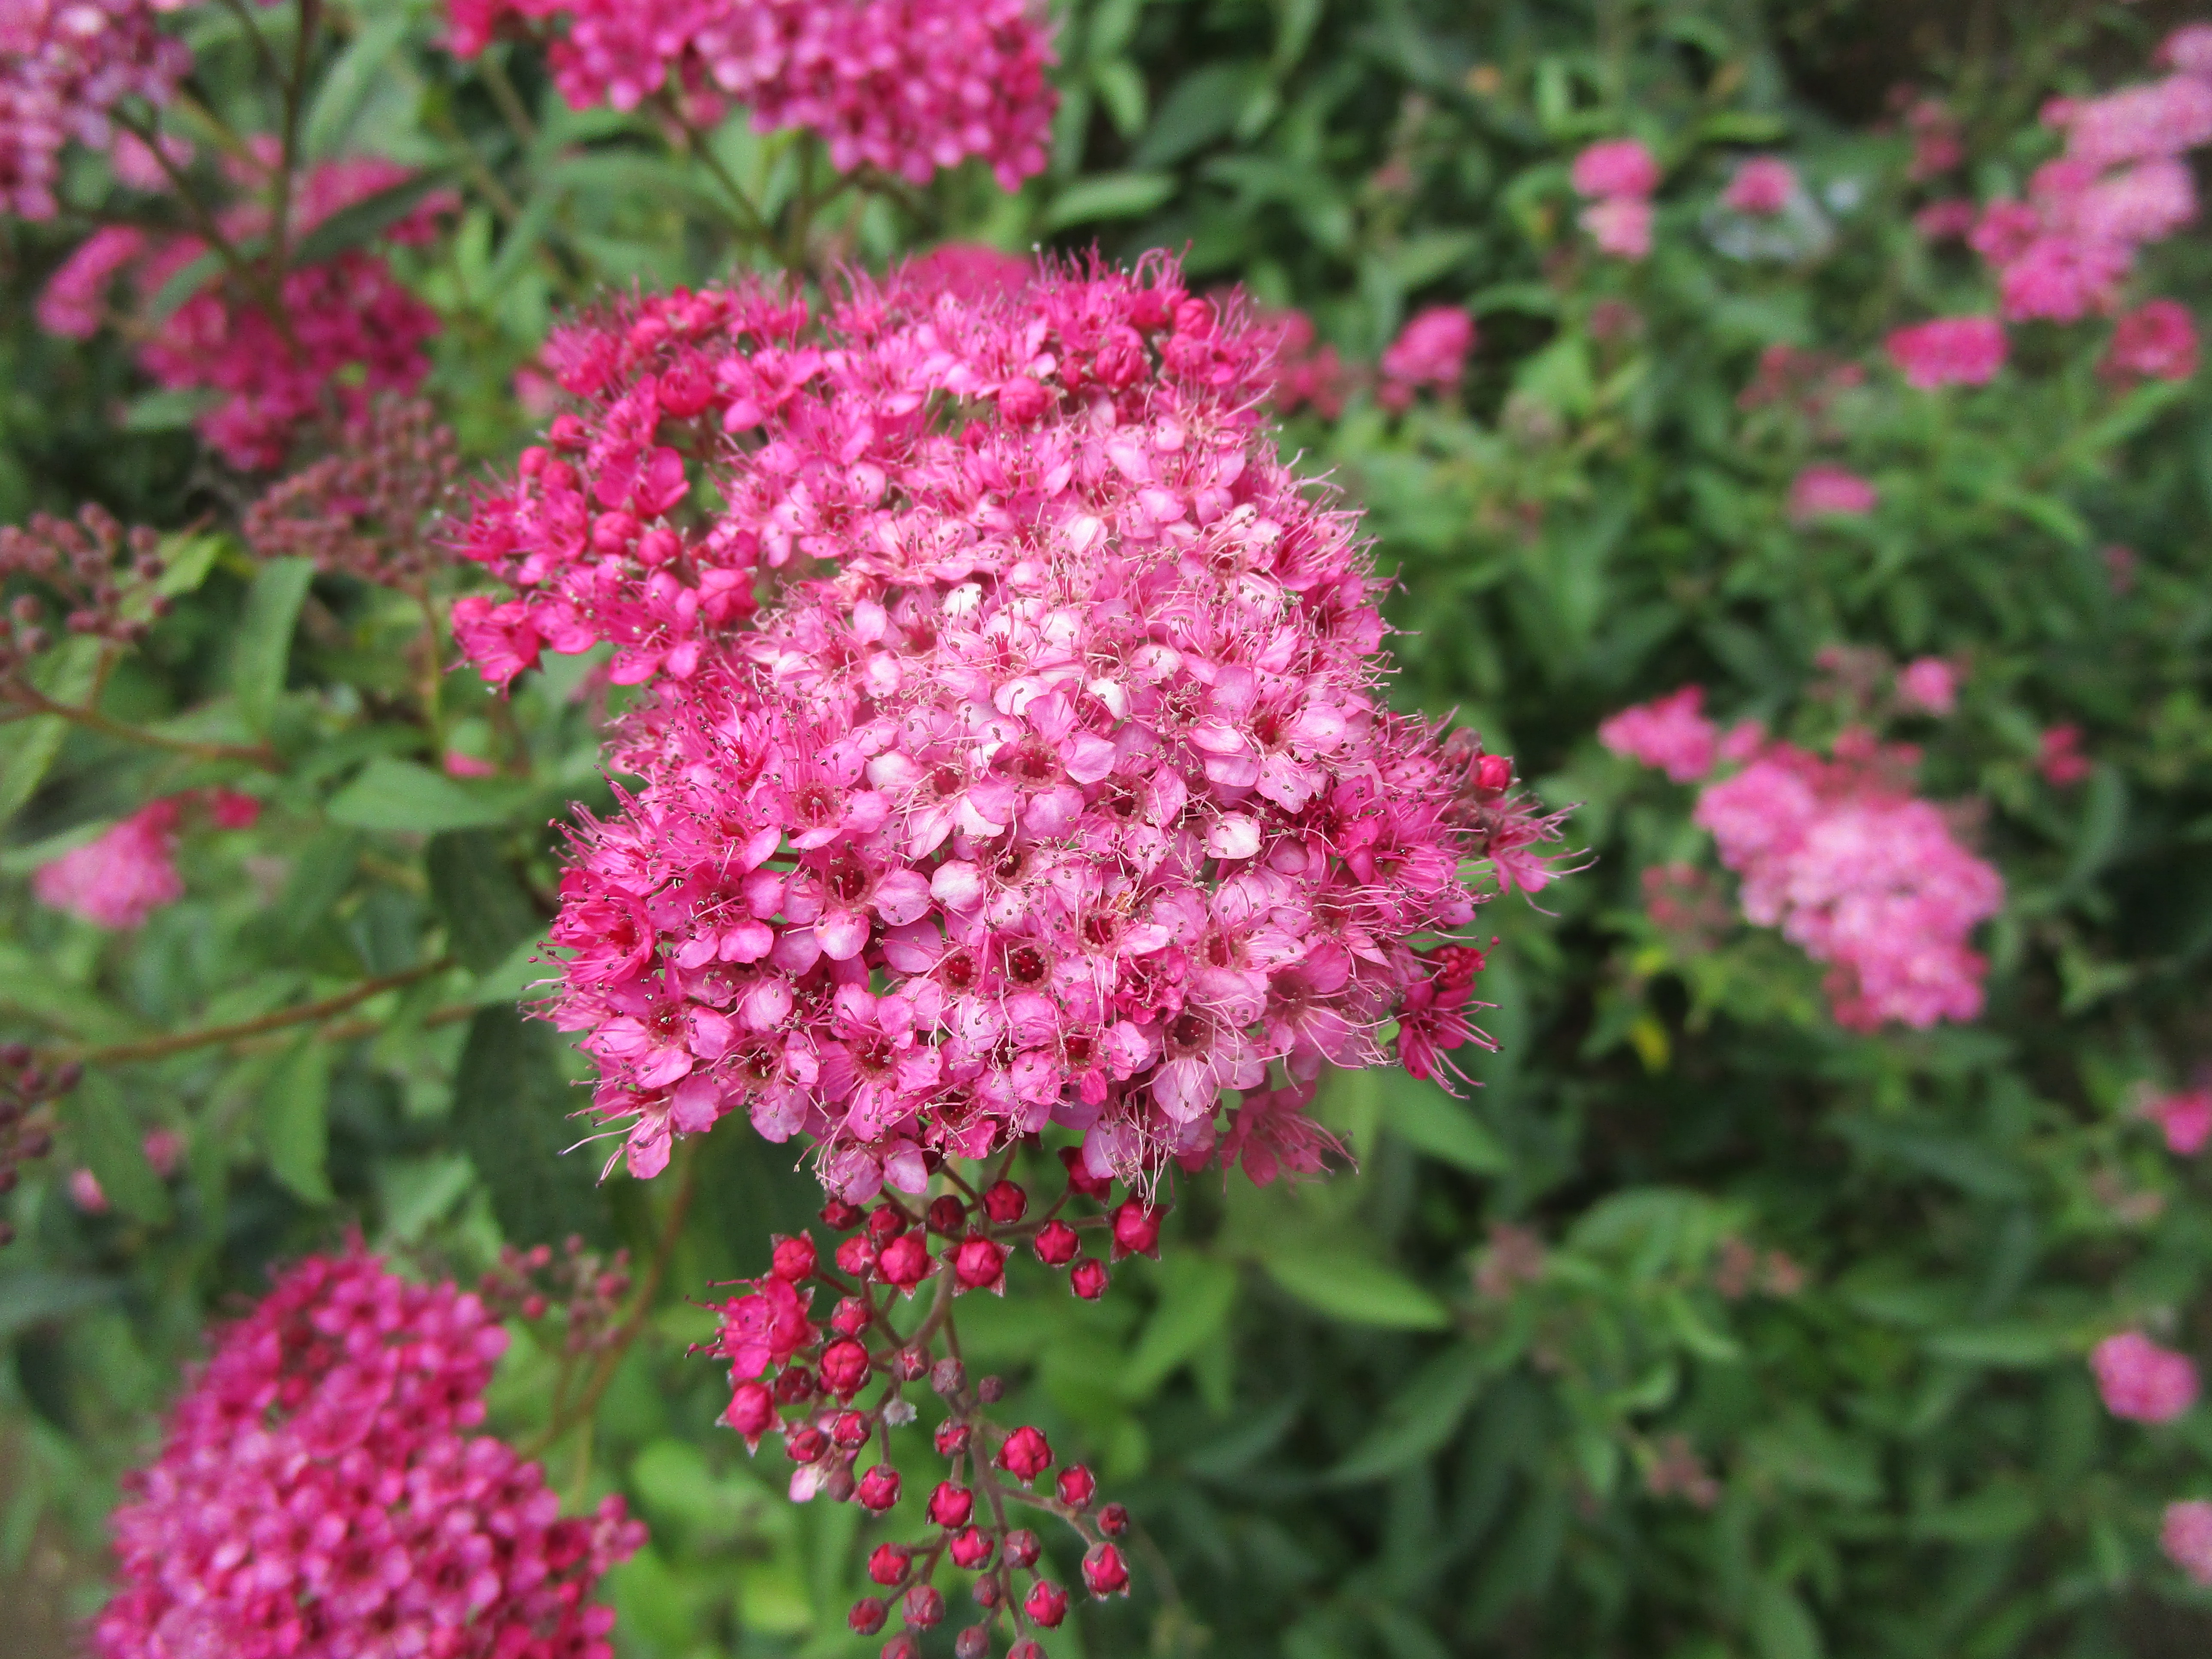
971,1548
856,1255
1136,1230
1056,1244
795,1384
849,1429
952,1438
844,1367
947,1215
1006,1203
1047,1603
925,1605
879,1491
885,1223
1103,1570
904,1263
1076,1488
837,1482
974,1641
1022,1548
1089,1279
1493,773
1025,1455
839,1217
867,1616
887,1566
948,1377
980,1265
903,1646
1113,1520
951,1505
1025,1650
1082,1181
793,1258
987,1590
805,1445
852,1317
752,1411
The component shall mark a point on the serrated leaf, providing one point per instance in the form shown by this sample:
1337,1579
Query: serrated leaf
1421,1416
294,1121
1196,1295
113,1149
397,794
1349,1287
486,911
263,649
1108,196
512,1115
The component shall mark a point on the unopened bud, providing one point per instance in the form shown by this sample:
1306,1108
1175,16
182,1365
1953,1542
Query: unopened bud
1076,1488
904,1263
925,1605
1022,1548
1104,1571
1089,1280
947,1376
1046,1603
973,1643
878,1491
889,1562
952,1438
1056,1244
794,1259
991,1391
1113,1520
867,1616
947,1215
970,1548
951,1505
1006,1203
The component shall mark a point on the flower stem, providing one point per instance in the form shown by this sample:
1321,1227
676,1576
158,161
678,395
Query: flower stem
177,1043
257,753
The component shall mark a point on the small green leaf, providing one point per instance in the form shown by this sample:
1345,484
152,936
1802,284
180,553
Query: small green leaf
486,911
348,81
294,1121
263,649
1430,1120
1346,1286
28,747
185,282
1197,1293
1421,1416
168,412
2011,1345
513,1114
397,794
1108,196
1780,1627
113,1149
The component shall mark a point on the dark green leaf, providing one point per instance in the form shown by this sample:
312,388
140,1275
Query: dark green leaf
294,1121
486,911
1108,196
263,650
1344,1286
113,1147
397,794
365,220
513,1114
1420,1418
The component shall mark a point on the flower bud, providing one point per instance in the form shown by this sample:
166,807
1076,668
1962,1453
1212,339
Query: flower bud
904,1263
951,1505
947,1215
1021,400
952,1438
888,1565
857,1256
795,1384
980,1265
1113,1520
1089,1279
971,1548
1103,1570
948,1377
986,1592
908,1364
885,1225
1046,1603
805,1445
1136,1230
794,1259
752,1410
1493,773
903,1646
838,1485
878,1490
1022,1548
925,1605
1006,1203
1080,1180
844,1367
1025,1455
1056,1244
867,1616
659,545
839,1217
1025,1650
1076,1488
973,1643
991,1391
849,1429
851,1315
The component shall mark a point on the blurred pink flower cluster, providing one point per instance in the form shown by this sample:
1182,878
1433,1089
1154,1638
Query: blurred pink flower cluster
1064,798
2141,1381
129,871
338,330
1762,185
1618,177
904,86
64,66
1950,351
1431,350
318,1494
1837,854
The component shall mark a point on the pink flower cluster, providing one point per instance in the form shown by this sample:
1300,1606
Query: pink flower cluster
318,1494
1431,350
2184,1117
1065,799
1762,186
1820,492
1618,177
129,871
64,65
2122,183
1850,867
1306,374
1950,351
904,86
2157,341
2141,1381
274,371
2185,1535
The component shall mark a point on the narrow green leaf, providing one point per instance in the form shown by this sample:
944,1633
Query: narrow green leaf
486,911
1359,1292
294,1122
1197,1293
28,747
397,794
183,283
1420,1418
1781,1628
168,412
2011,1345
513,1114
367,219
348,81
1108,196
113,1149
263,649
1430,1120
30,1298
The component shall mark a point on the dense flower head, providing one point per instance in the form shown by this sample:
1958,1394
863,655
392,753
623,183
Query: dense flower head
121,876
366,510
317,1493
64,67
1615,168
1063,799
2141,1381
1950,351
1762,185
1431,350
904,86
1670,732
1929,685
2184,1117
2154,342
2188,50
1820,492
2185,1535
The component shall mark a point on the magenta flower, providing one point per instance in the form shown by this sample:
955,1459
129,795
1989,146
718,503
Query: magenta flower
1430,350
1670,732
1929,684
2184,1117
2141,1381
2155,342
122,878
2186,1530
64,65
1615,168
2059,758
317,1493
1820,492
1762,185
1950,351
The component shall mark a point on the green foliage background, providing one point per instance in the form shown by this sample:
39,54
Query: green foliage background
1338,1433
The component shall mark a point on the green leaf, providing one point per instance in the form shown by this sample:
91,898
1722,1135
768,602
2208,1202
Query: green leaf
1348,1287
183,283
168,412
1420,1418
397,794
30,1298
28,747
1121,89
1201,109
1430,1120
1781,1628
1108,196
513,1114
348,81
113,1149
367,219
263,649
1420,260
294,1121
486,911
2010,1345
1197,1292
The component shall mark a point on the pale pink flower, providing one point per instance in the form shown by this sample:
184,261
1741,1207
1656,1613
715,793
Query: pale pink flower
2189,50
85,1192
2141,1381
1950,351
1431,350
1621,226
1671,732
2185,1531
2184,1117
1929,684
2157,342
123,877
1820,492
1615,168
1763,186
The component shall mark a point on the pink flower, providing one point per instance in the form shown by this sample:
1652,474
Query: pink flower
2058,757
1950,351
317,1493
1671,732
1929,684
459,764
1762,184
2188,49
1430,350
84,1191
1615,168
2141,1381
1946,220
2184,1118
971,270
1830,491
1305,373
74,302
1621,226
122,878
2185,1531
64,65
2156,342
